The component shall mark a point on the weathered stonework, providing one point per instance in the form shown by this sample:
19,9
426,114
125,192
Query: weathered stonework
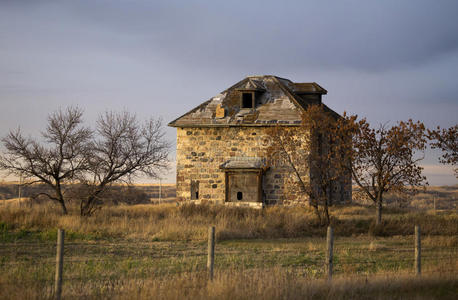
201,152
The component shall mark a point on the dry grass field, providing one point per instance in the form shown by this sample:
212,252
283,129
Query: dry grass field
439,197
159,252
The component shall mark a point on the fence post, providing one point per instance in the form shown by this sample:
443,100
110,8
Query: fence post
59,263
211,251
417,250
329,250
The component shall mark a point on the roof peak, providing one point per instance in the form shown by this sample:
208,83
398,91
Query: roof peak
264,76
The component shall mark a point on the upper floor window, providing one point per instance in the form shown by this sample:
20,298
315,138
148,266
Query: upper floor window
247,100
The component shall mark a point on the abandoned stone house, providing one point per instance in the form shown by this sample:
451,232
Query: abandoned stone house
222,143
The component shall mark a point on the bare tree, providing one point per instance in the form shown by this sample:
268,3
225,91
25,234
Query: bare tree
385,158
312,153
56,160
447,141
122,149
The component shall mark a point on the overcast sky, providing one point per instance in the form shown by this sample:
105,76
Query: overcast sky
385,60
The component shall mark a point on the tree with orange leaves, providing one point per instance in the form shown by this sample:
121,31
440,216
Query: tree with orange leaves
386,158
325,148
311,153
447,141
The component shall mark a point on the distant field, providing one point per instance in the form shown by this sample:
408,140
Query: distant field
140,193
439,197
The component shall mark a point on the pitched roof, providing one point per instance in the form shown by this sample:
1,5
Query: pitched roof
278,101
251,84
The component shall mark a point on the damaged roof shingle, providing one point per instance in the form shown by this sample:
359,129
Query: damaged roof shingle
277,101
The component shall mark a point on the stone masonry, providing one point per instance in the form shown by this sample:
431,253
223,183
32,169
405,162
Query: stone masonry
201,151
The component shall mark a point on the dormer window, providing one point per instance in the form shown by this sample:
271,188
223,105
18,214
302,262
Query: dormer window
248,100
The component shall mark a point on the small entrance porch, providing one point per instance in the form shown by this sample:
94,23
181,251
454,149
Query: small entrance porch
243,178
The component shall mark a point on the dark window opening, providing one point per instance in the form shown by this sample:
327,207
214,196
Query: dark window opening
194,189
239,195
247,100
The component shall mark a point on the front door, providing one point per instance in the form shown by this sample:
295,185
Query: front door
243,186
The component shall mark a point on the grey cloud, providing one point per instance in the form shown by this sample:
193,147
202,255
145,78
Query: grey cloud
368,35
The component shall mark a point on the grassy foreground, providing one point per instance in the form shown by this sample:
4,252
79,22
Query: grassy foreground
149,251
190,222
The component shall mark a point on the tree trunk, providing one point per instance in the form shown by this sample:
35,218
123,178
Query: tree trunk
326,214
60,197
326,210
87,208
378,211
317,212
64,208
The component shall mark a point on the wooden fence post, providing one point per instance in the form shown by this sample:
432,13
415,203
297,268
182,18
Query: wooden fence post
329,250
211,251
59,263
417,250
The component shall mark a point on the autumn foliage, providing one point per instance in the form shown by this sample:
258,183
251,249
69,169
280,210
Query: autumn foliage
326,148
386,158
447,141
312,153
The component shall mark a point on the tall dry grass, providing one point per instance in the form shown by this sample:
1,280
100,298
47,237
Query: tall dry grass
281,284
275,283
190,222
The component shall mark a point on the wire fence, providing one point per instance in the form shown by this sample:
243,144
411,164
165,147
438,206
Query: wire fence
36,261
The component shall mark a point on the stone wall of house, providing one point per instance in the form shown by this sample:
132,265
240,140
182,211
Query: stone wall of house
201,151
